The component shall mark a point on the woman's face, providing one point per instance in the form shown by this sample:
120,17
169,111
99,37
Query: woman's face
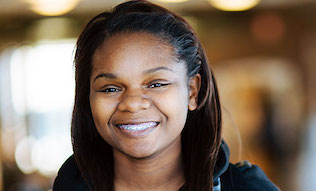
139,94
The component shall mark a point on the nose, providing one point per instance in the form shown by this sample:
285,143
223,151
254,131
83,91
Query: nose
134,103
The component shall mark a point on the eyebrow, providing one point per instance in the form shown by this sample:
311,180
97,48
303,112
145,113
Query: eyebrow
105,75
113,76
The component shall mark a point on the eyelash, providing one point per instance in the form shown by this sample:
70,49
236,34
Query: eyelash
110,90
154,85
157,85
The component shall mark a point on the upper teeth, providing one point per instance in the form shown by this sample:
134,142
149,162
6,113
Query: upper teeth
137,127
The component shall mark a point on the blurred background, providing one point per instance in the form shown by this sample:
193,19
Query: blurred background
263,54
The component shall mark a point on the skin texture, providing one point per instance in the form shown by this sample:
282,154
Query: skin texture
135,79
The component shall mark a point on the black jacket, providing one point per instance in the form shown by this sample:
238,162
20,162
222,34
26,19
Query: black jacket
227,177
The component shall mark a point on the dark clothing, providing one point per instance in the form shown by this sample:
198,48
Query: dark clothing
227,177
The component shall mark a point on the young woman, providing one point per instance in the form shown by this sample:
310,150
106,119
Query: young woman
147,114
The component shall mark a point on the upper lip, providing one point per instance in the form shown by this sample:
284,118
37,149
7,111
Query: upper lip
134,119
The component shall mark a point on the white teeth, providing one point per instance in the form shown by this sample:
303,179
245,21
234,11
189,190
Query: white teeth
137,127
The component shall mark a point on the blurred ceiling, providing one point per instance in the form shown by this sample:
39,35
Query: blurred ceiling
22,7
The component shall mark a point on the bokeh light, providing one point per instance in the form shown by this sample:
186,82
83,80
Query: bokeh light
52,7
49,153
267,28
234,5
23,155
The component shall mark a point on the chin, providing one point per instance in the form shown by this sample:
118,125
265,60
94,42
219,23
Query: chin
138,153
143,155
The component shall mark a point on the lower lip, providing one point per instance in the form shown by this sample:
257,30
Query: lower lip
138,133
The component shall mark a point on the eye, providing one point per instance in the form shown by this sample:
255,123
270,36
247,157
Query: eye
156,85
110,90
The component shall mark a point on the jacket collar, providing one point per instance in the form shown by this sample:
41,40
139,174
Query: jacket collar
222,161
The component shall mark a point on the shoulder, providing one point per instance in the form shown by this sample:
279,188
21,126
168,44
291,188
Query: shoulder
69,177
245,176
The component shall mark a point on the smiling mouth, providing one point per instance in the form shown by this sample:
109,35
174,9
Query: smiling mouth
138,126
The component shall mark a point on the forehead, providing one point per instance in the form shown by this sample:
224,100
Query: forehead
134,41
133,51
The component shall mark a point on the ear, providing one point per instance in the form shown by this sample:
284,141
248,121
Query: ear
194,88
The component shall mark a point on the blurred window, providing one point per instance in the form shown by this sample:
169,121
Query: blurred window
37,93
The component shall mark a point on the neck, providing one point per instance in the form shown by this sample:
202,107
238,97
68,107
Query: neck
163,171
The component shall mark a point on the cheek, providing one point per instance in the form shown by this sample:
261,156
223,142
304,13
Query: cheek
174,104
101,112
